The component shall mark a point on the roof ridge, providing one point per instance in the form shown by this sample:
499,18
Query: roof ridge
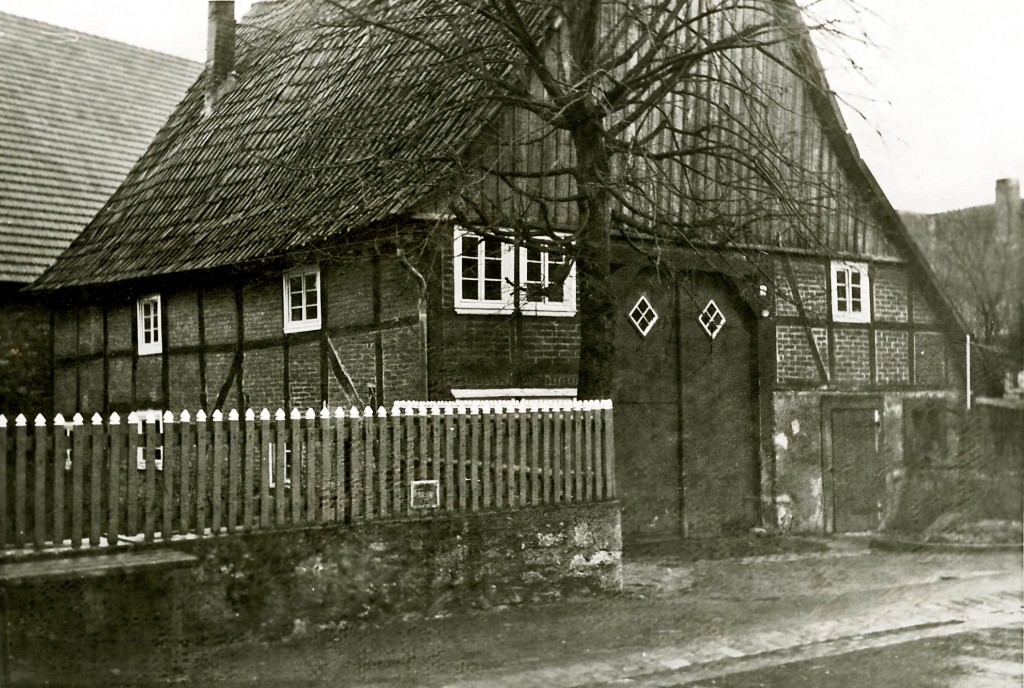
103,39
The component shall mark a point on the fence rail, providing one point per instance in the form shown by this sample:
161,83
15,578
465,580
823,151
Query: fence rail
156,477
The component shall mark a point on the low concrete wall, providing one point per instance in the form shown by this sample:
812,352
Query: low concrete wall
275,583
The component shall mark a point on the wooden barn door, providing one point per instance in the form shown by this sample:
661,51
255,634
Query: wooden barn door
854,464
686,407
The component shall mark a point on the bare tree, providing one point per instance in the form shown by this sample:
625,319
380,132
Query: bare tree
662,122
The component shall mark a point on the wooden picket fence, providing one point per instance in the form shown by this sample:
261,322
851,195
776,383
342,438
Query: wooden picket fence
107,482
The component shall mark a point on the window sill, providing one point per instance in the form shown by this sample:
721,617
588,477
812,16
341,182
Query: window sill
150,350
861,318
292,328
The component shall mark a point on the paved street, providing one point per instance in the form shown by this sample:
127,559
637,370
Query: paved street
677,623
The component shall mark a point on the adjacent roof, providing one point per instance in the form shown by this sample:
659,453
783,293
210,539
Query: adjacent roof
284,161
76,111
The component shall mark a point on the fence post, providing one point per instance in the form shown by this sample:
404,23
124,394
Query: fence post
77,477
39,483
474,458
598,451
187,459
522,451
149,502
485,419
449,458
202,471
369,442
116,435
535,463
132,431
460,479
20,481
609,449
547,414
422,473
410,464
499,456
327,459
60,457
279,474
396,460
339,465
588,450
309,477
217,472
170,468
96,480
234,467
295,440
3,479
249,471
265,459
435,453
382,462
356,467
577,454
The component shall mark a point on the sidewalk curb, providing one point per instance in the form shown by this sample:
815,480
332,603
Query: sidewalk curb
897,544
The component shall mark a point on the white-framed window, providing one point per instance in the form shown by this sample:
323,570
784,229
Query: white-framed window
148,316
158,451
851,292
302,299
488,272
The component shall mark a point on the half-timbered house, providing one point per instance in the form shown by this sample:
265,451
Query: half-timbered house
267,251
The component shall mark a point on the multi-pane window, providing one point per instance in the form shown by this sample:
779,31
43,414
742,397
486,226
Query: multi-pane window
851,293
302,299
492,276
481,261
148,317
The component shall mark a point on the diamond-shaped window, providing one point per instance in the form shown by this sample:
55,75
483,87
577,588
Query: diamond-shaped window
711,319
643,316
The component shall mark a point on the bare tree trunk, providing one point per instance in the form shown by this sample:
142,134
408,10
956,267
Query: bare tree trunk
595,301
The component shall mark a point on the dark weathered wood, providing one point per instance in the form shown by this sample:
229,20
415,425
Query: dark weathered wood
355,433
460,479
369,442
217,473
3,480
599,485
449,459
341,430
280,468
436,457
588,454
171,454
487,450
396,460
566,454
410,457
534,457
60,457
266,441
474,459
383,462
234,470
249,472
512,428
500,426
310,473
577,451
149,498
295,442
548,470
186,460
133,431
20,481
96,482
78,458
39,485
609,454
559,459
522,453
202,471
328,487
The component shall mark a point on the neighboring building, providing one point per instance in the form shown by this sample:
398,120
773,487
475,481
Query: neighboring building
978,255
76,112
270,251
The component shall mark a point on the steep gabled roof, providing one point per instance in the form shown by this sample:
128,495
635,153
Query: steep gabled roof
76,112
284,161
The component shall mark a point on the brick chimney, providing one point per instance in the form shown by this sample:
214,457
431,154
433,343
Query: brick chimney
220,53
1008,205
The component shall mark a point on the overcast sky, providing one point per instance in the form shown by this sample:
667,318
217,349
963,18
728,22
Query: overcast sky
940,96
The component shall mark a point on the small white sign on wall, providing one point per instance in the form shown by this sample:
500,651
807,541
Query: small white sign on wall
424,494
